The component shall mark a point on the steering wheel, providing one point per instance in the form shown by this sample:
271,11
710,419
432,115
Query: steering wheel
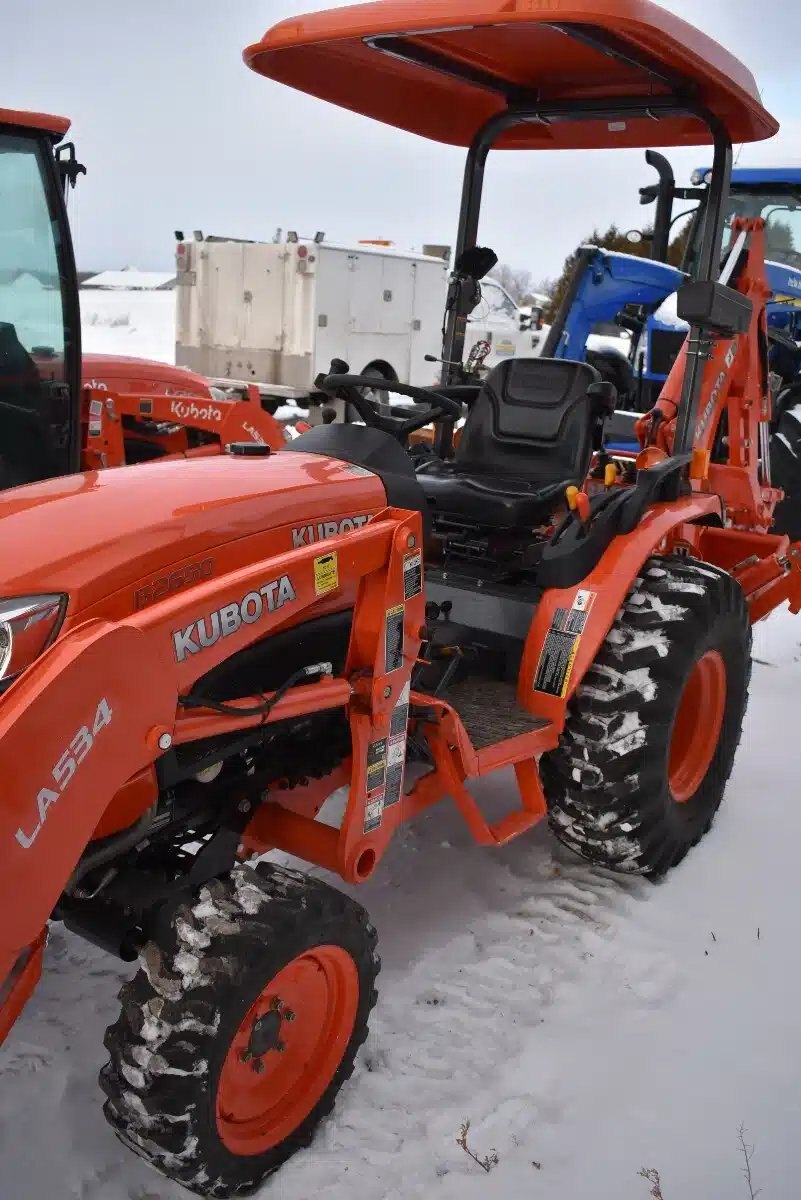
340,383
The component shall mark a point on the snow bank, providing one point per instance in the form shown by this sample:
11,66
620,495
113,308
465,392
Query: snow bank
140,324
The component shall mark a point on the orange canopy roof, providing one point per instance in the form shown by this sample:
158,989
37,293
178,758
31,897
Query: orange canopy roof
441,68
57,126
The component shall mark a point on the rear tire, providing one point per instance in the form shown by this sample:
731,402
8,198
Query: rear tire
652,731
240,1028
785,454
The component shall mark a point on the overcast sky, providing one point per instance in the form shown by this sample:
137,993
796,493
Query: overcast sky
177,133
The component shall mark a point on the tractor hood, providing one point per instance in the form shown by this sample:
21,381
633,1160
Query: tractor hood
103,534
123,374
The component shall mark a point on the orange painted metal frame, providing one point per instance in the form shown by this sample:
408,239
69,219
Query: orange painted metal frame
735,387
228,420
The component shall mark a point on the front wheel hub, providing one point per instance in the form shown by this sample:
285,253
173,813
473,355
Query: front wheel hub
287,1049
697,726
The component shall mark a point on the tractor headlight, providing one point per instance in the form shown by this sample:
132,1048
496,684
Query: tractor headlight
27,627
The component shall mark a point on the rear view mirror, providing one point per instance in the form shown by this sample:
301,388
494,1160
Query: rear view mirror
476,262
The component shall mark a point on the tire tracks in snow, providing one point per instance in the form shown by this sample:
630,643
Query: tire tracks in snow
450,1028
478,947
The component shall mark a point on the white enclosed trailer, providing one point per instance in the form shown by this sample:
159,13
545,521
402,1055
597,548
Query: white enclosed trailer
277,313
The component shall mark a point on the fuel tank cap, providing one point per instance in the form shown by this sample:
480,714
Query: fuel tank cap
248,449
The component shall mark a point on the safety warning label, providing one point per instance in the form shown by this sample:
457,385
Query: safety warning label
561,644
396,751
400,714
376,784
412,574
326,574
393,639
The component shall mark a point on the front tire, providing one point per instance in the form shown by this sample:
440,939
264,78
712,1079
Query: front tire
652,731
240,1028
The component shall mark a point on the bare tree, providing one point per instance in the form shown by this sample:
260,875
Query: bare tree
748,1154
651,1175
515,280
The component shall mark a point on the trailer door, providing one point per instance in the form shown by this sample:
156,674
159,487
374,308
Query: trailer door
365,285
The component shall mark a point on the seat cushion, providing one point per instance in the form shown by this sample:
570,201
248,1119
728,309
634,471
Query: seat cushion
486,499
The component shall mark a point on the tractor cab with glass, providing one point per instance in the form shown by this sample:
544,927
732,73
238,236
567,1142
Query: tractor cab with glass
40,352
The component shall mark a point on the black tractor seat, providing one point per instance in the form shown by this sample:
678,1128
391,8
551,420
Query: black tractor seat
485,498
528,436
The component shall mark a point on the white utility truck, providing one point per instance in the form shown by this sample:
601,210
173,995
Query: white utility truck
276,313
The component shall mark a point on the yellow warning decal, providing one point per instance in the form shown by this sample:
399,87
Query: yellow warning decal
569,668
326,573
561,646
393,638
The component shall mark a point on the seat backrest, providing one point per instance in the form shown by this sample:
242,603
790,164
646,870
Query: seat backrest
532,419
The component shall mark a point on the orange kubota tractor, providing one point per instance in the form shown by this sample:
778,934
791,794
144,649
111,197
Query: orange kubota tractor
194,657
58,411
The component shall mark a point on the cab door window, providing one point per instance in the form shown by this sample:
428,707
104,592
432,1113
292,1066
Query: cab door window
35,426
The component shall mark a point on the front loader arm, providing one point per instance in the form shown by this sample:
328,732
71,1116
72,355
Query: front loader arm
103,702
227,420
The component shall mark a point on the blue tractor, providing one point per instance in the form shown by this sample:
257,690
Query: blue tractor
636,297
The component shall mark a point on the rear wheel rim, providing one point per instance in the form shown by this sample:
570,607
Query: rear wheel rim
286,1050
697,726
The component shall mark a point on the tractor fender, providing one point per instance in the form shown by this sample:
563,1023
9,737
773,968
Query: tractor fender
73,730
571,623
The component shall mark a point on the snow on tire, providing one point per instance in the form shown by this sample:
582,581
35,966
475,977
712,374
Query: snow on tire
652,731
240,1027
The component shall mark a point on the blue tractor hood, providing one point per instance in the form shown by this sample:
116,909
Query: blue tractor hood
609,281
754,176
784,282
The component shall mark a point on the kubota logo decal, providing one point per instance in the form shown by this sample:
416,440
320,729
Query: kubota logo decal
80,745
195,412
304,535
231,617
711,404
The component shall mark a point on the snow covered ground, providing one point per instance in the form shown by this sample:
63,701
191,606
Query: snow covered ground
140,324
586,1026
